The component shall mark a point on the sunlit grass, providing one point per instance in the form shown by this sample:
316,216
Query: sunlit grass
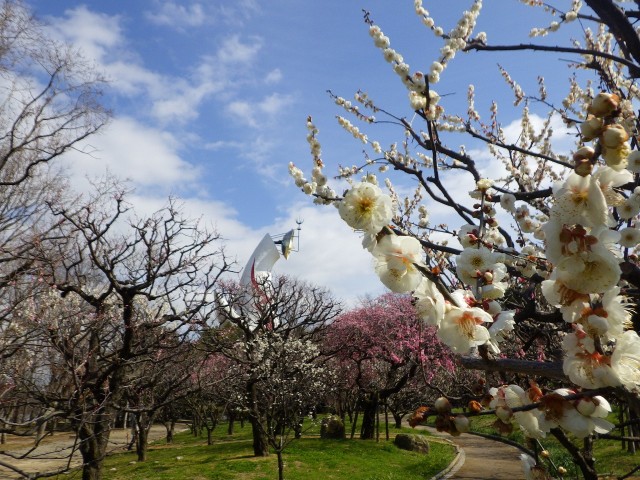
310,458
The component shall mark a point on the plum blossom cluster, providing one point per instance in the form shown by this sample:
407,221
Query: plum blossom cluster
580,244
318,185
554,26
536,414
455,40
571,238
420,97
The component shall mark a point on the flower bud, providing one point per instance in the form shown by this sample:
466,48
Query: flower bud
584,153
562,470
586,406
442,405
484,184
614,135
504,413
461,423
591,128
583,168
604,104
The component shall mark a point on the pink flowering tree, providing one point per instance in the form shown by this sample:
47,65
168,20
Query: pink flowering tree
539,246
380,347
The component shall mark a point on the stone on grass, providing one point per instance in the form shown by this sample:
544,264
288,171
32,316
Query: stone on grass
412,442
332,427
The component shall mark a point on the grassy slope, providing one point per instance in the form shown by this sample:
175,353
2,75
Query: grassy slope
308,459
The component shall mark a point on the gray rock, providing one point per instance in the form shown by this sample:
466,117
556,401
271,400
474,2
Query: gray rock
332,427
414,443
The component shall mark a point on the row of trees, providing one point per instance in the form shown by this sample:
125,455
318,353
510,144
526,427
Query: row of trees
532,276
110,318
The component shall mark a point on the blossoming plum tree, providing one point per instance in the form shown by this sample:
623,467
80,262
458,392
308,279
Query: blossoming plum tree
545,250
380,347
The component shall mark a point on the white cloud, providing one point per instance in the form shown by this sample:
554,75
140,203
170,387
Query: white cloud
330,255
178,16
273,77
258,114
94,33
146,156
234,51
167,98
183,15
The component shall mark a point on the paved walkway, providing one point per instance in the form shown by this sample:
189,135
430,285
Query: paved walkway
53,452
481,459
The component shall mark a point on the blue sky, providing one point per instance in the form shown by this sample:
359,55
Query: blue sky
210,100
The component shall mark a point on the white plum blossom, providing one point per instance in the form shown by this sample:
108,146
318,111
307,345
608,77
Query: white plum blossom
633,161
503,323
584,365
508,202
463,328
396,257
472,263
579,201
629,237
625,360
592,271
508,397
365,207
584,416
430,303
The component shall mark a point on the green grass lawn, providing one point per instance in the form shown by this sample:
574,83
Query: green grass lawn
311,458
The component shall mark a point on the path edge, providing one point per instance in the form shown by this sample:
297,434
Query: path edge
455,465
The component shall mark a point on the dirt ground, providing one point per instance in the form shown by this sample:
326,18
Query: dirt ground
53,452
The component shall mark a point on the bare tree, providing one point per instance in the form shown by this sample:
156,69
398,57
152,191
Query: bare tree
141,284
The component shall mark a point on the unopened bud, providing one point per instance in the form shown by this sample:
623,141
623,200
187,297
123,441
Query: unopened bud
591,128
442,405
583,168
583,153
614,135
604,104
461,423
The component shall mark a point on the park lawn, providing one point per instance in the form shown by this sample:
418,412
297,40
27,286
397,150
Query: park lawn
310,458
611,459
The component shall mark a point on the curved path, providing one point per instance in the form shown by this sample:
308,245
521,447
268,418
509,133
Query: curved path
481,459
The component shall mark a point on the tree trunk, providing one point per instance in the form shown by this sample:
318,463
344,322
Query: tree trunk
397,418
232,418
144,422
386,422
369,411
353,425
142,442
42,428
94,438
280,465
260,440
170,426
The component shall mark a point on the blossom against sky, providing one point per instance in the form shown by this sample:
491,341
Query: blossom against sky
210,101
